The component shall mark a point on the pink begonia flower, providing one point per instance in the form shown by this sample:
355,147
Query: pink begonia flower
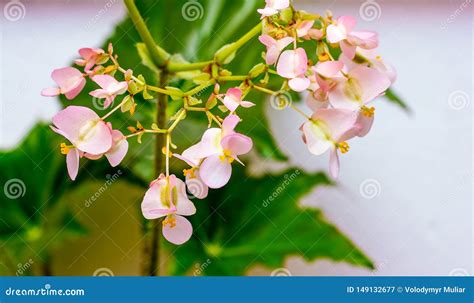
341,31
305,30
70,81
217,149
90,56
293,65
232,99
167,198
272,7
85,130
370,58
194,183
329,129
110,88
360,86
274,47
117,152
323,78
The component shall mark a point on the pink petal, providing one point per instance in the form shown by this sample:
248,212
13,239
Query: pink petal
76,90
50,92
299,84
337,121
232,98
183,205
315,138
347,49
267,11
238,144
292,63
104,80
272,55
336,33
334,163
267,40
152,205
246,104
180,233
215,172
209,145
372,82
67,78
283,42
229,124
119,148
72,163
329,69
365,124
348,22
303,28
364,39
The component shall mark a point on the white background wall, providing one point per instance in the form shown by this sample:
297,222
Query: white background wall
420,220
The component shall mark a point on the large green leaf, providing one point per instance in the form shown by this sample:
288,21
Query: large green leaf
259,221
33,178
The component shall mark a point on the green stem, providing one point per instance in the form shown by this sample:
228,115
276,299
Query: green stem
158,55
181,67
224,53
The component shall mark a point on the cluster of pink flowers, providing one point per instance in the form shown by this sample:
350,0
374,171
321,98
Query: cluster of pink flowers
340,90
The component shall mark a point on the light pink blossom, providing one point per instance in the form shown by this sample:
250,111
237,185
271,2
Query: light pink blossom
90,56
274,47
370,58
293,65
70,81
218,148
110,88
342,32
86,132
117,152
232,99
329,129
272,7
193,180
167,198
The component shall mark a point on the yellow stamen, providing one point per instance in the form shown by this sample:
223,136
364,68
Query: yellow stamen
169,220
65,148
323,57
368,112
378,58
189,172
343,147
227,155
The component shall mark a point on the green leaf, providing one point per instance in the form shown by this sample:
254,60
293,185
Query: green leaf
234,231
34,178
391,96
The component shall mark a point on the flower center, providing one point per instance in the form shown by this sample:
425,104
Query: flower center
353,90
65,148
368,112
226,155
88,130
169,220
190,172
343,147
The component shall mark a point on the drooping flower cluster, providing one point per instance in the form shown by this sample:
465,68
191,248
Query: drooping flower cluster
342,78
339,95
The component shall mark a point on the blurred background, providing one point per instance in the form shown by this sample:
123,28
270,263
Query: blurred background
405,191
